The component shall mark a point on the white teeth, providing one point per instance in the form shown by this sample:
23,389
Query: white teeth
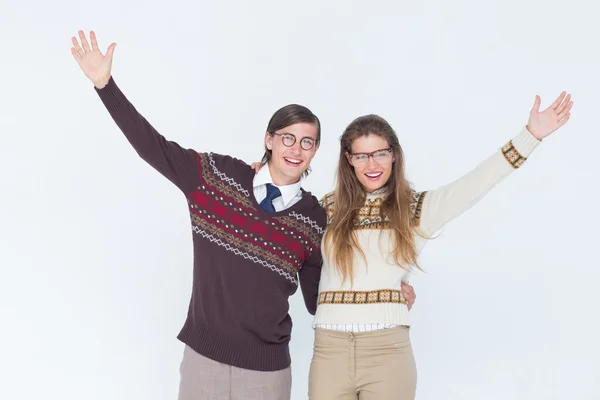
293,161
374,175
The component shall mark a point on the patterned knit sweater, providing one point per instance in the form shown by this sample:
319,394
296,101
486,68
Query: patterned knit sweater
375,295
247,262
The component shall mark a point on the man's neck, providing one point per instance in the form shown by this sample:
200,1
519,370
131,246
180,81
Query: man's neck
280,179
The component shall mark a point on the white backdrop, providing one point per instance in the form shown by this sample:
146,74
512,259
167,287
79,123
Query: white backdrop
96,251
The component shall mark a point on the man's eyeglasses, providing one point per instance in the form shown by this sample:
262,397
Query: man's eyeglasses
383,156
289,140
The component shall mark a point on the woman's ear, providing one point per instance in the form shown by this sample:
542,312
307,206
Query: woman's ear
348,158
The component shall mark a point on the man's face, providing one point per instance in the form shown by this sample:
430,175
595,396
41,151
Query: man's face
288,163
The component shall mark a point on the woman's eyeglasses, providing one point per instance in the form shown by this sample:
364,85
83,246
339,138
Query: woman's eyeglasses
383,156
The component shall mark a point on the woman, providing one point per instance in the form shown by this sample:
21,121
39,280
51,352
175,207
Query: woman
377,227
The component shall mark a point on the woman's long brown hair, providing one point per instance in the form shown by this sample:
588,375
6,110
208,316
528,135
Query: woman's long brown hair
341,235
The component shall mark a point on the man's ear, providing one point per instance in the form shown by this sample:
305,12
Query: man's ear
269,141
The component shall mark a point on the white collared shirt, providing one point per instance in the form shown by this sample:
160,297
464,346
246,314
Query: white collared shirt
290,194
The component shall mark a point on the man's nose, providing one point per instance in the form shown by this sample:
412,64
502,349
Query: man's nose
296,148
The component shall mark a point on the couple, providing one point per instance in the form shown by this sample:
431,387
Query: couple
257,235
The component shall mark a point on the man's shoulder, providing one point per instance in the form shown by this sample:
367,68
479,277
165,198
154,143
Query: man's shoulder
227,175
223,160
229,169
312,206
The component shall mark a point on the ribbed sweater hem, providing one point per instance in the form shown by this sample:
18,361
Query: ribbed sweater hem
238,352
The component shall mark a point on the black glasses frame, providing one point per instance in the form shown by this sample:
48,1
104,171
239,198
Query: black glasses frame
284,135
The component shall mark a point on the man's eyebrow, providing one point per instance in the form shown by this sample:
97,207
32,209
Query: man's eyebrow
302,137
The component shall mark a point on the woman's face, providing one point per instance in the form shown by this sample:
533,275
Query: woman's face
372,159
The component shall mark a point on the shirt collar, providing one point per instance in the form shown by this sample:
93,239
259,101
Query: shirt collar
288,192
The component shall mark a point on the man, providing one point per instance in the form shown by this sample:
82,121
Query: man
255,239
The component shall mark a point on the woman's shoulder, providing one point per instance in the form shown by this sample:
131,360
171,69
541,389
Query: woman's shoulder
327,202
416,204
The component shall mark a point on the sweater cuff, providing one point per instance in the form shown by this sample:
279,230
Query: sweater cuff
519,148
111,96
